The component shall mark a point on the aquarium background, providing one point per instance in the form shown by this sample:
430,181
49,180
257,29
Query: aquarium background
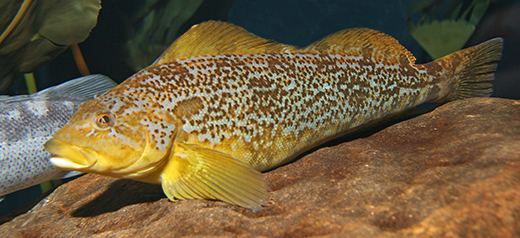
292,22
297,22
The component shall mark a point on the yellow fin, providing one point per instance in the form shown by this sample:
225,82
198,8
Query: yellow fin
214,37
356,40
194,172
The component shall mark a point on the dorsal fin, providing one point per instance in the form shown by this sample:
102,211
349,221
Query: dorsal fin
82,88
356,40
214,37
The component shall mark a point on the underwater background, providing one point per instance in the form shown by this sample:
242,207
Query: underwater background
112,47
291,22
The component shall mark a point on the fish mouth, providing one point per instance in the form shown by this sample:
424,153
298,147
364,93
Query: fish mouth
69,157
65,163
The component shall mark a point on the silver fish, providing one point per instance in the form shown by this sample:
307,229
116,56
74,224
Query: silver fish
28,121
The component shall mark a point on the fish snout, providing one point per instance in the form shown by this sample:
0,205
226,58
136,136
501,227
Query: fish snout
69,157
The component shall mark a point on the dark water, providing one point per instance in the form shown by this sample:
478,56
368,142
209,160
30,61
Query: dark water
297,22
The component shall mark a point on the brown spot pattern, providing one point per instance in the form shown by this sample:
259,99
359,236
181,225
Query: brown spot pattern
265,108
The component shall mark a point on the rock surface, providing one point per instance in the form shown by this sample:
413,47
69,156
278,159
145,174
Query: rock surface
452,172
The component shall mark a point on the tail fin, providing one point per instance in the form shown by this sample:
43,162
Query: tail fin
473,70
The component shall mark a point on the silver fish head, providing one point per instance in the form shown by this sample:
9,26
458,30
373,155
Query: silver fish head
28,121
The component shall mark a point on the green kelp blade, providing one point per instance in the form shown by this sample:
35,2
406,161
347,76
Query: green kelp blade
477,12
69,22
440,38
157,29
47,28
418,6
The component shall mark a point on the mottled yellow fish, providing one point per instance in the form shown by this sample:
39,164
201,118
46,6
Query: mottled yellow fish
222,104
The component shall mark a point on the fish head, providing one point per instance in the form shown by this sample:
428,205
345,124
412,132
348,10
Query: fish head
102,139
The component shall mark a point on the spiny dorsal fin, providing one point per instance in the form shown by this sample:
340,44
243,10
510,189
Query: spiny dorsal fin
214,37
356,40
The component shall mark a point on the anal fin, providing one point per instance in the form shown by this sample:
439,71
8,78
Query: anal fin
194,172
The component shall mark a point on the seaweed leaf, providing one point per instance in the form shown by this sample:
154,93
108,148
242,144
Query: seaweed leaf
45,30
440,37
156,30
479,9
419,6
450,36
68,22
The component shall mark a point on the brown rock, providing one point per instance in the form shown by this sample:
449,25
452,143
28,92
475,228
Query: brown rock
452,172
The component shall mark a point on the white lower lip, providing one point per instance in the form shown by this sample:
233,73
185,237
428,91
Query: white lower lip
66,164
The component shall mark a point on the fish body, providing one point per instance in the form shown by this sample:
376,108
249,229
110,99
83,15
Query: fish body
28,121
264,109
204,119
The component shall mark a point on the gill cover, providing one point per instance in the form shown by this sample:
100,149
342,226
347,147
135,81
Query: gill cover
150,160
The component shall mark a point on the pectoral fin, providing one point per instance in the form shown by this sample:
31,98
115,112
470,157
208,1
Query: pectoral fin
194,172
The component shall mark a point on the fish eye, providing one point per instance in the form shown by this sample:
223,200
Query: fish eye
104,121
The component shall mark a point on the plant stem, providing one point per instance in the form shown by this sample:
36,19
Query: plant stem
17,18
30,82
80,61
